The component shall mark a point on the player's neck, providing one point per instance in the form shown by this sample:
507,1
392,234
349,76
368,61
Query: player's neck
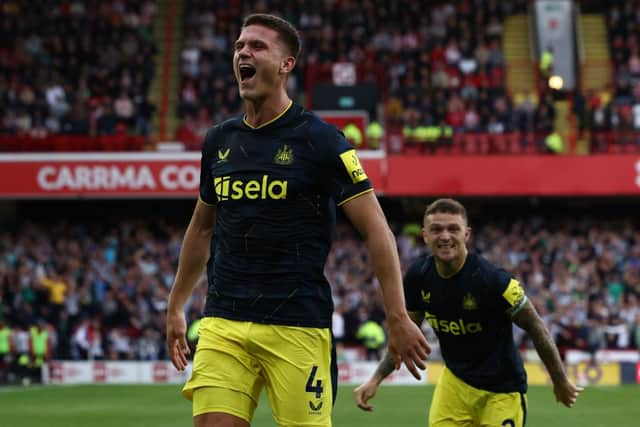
257,113
447,269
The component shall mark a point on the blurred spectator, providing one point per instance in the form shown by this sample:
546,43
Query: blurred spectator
636,332
6,352
40,344
106,121
56,289
372,336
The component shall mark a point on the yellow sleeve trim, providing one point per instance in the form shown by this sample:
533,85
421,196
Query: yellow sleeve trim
203,202
355,196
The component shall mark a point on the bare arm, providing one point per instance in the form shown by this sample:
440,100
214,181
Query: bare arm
367,391
366,215
406,342
529,320
194,255
386,365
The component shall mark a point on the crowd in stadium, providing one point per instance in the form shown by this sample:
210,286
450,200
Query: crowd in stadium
86,68
100,288
76,68
621,110
445,68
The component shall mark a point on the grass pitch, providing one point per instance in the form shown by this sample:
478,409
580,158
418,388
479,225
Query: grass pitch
163,406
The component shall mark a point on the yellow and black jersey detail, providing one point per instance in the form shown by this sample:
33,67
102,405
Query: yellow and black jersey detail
355,196
267,123
276,192
470,314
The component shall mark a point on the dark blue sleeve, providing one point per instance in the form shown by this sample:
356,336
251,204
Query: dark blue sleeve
413,285
347,178
207,187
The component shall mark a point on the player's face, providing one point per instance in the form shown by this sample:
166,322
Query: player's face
447,235
260,62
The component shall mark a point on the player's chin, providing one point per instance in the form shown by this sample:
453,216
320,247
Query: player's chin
248,94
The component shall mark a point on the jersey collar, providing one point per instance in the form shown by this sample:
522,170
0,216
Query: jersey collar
448,276
244,118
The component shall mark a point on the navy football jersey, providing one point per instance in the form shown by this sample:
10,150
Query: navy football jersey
275,188
470,313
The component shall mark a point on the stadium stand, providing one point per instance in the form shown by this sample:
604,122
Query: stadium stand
443,77
80,69
615,114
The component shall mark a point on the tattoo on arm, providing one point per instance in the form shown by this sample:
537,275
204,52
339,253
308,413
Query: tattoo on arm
387,366
529,320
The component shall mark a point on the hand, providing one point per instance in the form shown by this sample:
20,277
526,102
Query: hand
566,392
365,392
176,341
407,344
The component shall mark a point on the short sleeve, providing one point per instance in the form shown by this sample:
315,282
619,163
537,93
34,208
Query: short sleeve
413,283
207,187
348,178
510,293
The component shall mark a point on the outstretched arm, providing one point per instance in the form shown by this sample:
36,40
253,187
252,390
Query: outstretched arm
406,342
367,391
529,320
194,255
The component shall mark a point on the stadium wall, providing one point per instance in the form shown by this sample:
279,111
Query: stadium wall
130,175
350,373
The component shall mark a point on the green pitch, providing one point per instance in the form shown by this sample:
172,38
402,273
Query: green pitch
160,406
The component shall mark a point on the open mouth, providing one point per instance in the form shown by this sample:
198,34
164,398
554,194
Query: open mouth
246,71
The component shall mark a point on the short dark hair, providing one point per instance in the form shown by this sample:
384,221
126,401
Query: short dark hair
287,32
449,206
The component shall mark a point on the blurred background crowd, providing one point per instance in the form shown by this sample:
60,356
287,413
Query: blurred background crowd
96,68
99,288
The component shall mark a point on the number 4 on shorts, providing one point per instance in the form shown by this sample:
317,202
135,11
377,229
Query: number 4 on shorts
310,388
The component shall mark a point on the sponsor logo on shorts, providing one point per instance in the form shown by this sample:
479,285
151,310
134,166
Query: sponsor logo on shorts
316,407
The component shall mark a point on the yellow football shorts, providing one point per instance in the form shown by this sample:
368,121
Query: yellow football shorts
235,360
457,404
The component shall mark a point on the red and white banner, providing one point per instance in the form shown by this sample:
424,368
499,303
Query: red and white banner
111,174
101,175
160,372
356,373
529,175
178,174
349,373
